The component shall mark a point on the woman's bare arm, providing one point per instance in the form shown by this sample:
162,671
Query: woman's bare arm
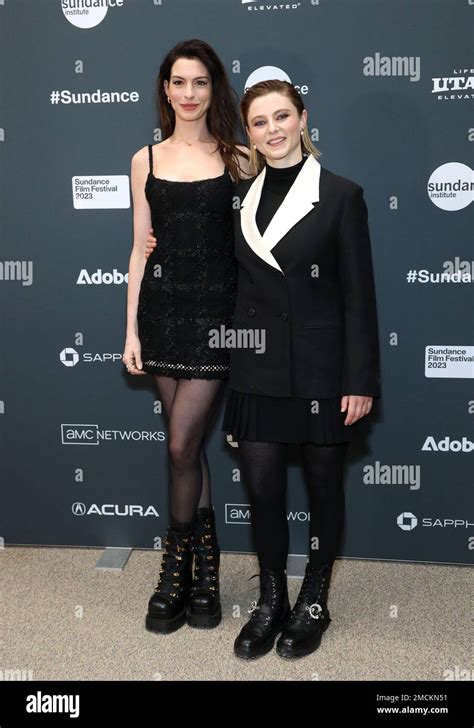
141,226
141,223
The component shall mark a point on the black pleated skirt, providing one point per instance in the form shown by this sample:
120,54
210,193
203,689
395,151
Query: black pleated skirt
285,419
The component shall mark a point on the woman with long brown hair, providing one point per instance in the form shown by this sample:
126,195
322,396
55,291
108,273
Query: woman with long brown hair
183,188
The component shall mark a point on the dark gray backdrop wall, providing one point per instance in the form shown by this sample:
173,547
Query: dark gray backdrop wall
388,87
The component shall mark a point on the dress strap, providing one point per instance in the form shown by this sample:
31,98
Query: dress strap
150,156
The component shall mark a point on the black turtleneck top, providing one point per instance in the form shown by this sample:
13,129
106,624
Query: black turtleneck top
277,182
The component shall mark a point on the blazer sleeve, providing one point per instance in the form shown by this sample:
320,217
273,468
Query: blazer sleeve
361,363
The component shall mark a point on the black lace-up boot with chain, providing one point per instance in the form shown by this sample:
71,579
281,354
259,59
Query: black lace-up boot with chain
268,616
204,607
309,617
168,604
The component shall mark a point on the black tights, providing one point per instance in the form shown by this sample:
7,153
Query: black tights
188,404
264,473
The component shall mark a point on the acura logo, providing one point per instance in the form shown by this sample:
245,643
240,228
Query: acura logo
78,509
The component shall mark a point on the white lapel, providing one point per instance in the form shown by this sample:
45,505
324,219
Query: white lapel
296,204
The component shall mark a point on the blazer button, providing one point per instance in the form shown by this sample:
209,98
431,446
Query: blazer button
284,316
251,312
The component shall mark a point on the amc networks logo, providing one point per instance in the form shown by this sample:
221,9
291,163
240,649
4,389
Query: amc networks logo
237,513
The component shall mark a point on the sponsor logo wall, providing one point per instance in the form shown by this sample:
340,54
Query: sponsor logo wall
82,444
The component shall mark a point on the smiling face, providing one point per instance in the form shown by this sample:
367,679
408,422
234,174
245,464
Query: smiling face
274,126
189,88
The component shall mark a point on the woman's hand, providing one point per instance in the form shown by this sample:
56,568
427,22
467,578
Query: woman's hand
150,244
356,406
132,355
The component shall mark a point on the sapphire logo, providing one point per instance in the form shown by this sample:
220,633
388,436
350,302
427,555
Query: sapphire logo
69,357
407,521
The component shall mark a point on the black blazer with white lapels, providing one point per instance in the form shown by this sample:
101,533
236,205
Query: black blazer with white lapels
318,311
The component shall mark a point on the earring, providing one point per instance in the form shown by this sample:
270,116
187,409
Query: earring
169,100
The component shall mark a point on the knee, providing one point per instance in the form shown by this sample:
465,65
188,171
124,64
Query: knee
327,493
263,498
182,453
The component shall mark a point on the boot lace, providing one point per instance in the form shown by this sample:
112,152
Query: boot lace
169,583
267,598
205,564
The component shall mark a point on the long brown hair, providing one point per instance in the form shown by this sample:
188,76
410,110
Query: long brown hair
257,160
222,115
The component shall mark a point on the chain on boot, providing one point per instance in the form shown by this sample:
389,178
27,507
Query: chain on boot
167,605
309,617
268,616
204,607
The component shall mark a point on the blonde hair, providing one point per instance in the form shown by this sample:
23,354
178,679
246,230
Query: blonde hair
257,159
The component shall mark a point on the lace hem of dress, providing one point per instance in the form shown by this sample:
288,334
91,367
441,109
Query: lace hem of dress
188,371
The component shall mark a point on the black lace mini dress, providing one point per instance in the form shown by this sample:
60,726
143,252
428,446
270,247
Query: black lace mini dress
189,283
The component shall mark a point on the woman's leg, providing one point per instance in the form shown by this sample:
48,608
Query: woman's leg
188,404
264,474
323,467
205,499
190,414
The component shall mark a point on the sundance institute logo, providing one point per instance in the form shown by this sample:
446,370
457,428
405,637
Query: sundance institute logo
88,13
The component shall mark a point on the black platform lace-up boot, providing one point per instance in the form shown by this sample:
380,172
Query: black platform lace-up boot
309,617
204,607
268,616
168,604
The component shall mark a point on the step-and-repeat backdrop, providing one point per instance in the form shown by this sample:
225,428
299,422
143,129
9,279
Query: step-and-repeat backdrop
388,87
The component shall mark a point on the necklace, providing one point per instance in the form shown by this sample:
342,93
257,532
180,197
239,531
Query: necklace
190,144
